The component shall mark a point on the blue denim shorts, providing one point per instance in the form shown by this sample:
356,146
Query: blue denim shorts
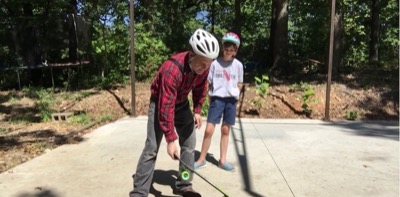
222,106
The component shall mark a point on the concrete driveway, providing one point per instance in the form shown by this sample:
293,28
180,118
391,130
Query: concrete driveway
309,158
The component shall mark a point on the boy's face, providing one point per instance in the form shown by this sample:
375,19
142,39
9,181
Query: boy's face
200,64
229,52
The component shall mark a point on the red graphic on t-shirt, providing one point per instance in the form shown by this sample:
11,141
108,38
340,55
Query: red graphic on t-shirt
226,75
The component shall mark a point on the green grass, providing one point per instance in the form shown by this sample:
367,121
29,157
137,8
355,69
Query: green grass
13,100
106,118
80,119
3,130
40,145
18,120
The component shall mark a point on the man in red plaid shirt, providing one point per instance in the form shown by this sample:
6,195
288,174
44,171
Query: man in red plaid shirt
169,110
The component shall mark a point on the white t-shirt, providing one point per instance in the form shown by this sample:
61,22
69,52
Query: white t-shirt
224,77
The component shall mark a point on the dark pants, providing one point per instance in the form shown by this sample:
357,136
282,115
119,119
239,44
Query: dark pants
184,125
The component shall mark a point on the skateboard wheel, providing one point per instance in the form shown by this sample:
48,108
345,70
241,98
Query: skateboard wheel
185,175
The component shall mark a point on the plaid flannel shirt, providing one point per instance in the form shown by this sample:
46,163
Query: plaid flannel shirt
170,86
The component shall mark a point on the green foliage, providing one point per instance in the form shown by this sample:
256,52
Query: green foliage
3,130
151,52
81,118
309,29
45,99
111,51
30,92
206,106
351,115
22,119
106,118
253,23
40,145
13,100
164,28
306,97
204,109
262,90
70,73
76,96
105,82
390,40
355,39
262,85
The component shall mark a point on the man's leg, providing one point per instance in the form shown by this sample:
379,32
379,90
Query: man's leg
184,125
145,168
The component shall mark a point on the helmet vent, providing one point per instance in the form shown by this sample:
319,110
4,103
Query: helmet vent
200,49
205,44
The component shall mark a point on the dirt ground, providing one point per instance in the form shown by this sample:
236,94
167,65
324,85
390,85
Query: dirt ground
24,136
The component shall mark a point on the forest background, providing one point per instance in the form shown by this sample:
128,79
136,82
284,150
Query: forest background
73,57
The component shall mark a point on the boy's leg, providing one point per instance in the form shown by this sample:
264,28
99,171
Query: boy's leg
145,168
228,121
206,141
224,142
214,117
184,124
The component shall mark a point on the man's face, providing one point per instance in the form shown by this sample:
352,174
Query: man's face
200,64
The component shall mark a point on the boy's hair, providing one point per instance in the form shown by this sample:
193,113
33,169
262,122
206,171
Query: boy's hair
229,44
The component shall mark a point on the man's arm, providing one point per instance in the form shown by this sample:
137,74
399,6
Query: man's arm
170,79
199,93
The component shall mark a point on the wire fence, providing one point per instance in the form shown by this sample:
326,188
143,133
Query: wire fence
33,47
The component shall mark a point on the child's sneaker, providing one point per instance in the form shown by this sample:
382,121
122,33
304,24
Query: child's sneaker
200,165
226,166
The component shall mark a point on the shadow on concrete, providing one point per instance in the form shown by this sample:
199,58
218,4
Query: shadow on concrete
241,151
209,157
381,129
163,177
41,193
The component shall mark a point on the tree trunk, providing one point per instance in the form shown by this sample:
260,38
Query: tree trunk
237,26
73,43
375,31
337,44
30,51
29,38
279,36
212,16
238,18
149,15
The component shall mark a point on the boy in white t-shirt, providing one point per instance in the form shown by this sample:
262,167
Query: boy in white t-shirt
226,72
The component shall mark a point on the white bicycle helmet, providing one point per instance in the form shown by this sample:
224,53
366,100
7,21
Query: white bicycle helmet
205,44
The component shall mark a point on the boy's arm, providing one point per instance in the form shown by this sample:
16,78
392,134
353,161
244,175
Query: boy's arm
241,74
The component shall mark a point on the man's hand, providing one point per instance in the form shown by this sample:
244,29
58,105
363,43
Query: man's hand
197,120
172,150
